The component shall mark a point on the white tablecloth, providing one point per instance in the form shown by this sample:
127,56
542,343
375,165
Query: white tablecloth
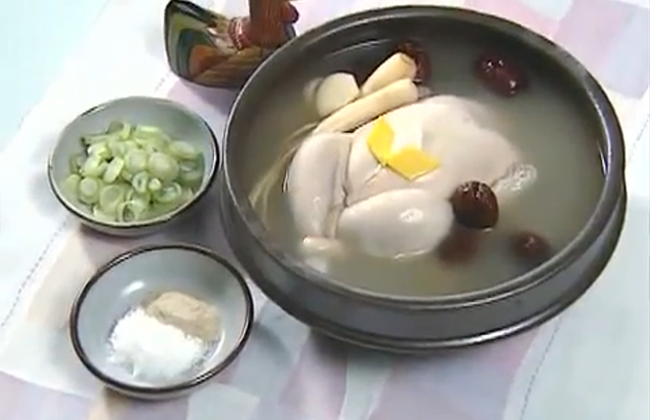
591,363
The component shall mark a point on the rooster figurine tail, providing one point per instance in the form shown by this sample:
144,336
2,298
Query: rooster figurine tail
213,50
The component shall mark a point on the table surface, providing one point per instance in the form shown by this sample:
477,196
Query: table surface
592,362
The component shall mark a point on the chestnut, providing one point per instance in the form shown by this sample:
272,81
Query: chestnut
421,58
500,74
475,205
460,246
530,248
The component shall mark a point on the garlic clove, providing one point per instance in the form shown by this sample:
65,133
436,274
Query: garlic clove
334,92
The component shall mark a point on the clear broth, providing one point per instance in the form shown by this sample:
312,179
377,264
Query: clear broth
546,123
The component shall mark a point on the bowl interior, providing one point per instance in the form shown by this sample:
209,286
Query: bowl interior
177,121
358,44
137,278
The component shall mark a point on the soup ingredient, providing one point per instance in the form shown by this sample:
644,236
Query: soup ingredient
380,140
448,128
133,173
398,223
315,182
558,146
351,116
337,187
408,161
151,350
277,174
412,163
309,90
518,178
319,252
194,317
475,205
530,248
500,74
460,246
334,92
397,67
421,58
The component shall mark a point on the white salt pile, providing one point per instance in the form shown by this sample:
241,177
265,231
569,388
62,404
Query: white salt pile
152,350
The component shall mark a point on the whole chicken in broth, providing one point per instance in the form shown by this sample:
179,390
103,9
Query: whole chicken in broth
419,180
385,188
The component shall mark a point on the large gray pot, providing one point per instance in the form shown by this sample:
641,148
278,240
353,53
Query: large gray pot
411,324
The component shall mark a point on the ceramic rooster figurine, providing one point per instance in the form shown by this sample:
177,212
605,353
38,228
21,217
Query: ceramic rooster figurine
213,50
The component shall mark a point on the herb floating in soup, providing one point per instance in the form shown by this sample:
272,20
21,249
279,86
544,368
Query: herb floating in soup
134,173
396,190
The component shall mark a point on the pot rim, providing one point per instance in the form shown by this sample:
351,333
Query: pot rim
613,153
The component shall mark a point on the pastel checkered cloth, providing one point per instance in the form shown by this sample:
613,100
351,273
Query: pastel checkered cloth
589,364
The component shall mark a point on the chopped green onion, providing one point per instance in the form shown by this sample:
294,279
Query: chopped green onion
191,178
151,145
131,211
132,194
93,166
101,216
96,138
188,165
154,185
191,172
120,129
77,162
140,182
183,150
71,184
131,145
161,209
110,197
126,175
88,190
117,147
133,173
136,161
151,132
168,194
100,149
113,170
163,166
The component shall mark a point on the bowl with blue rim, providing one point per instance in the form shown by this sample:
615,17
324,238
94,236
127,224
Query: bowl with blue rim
132,165
130,282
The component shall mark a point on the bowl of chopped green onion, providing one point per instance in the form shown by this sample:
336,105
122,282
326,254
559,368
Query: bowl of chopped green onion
131,165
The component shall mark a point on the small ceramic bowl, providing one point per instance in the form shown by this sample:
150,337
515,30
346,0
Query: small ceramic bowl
176,120
138,276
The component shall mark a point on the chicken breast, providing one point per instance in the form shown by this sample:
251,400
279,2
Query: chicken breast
452,129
